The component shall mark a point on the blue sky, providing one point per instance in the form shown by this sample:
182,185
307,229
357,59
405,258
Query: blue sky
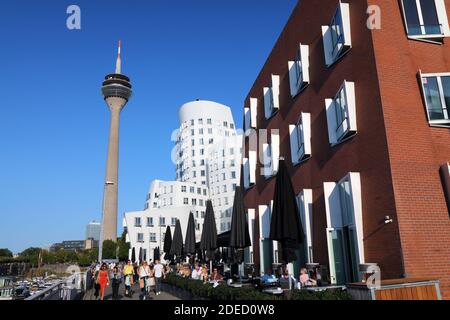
54,123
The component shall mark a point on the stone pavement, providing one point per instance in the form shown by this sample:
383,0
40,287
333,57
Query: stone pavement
136,294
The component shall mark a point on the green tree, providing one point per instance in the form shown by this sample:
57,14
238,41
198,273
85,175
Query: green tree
6,253
124,247
109,249
31,254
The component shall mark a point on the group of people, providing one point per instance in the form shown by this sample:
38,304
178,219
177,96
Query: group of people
304,279
148,275
199,272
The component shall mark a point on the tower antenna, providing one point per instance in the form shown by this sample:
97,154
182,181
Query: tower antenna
118,62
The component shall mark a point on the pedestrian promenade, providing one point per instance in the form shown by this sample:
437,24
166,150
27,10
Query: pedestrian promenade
136,293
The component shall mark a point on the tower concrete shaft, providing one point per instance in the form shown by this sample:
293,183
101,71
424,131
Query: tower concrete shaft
112,171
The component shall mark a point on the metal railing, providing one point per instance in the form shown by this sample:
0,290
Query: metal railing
68,289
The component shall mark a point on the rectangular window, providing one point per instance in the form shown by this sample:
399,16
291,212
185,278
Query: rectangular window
299,70
301,139
425,19
341,114
209,121
162,222
174,222
271,97
436,91
183,188
149,222
140,237
337,35
153,237
200,121
137,222
186,201
344,227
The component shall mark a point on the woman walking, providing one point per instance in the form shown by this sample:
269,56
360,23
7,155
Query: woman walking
128,274
151,284
103,280
144,271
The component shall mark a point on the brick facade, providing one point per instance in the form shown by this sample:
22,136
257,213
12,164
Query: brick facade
396,152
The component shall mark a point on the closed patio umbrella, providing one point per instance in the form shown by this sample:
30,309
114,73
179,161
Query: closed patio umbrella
189,243
167,244
208,243
285,224
156,254
133,255
140,255
176,249
240,235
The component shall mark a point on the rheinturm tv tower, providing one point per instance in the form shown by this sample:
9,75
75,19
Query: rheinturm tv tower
116,91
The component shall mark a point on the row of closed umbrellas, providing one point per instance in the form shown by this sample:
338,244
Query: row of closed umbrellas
285,227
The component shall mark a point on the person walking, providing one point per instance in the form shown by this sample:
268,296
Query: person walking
144,271
159,274
116,280
103,280
128,272
151,280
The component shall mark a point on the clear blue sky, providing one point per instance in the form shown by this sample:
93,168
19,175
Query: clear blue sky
54,123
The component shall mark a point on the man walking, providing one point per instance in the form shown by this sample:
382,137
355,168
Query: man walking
159,274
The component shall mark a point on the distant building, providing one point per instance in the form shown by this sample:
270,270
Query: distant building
93,231
91,244
56,247
73,245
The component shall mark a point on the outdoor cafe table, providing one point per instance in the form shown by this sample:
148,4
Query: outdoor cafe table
320,289
274,291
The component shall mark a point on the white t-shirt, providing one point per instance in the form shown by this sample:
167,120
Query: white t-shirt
158,270
196,274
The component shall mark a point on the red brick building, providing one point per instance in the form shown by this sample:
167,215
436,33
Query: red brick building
356,97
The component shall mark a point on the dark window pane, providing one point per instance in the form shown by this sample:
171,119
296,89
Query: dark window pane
433,98
412,17
430,18
446,88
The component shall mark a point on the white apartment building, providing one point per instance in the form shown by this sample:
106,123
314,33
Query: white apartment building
207,155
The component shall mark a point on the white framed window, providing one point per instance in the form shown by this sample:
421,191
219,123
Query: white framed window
436,93
425,19
174,222
250,114
337,35
305,202
300,137
341,114
152,237
268,247
140,237
251,229
186,201
249,166
271,155
272,97
162,222
150,222
299,70
343,206
137,222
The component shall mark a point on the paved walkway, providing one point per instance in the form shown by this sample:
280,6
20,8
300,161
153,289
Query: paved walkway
136,294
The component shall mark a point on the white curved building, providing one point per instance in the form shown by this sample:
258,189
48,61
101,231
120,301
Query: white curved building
207,155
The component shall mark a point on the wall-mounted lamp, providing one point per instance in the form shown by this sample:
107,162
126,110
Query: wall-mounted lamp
388,220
